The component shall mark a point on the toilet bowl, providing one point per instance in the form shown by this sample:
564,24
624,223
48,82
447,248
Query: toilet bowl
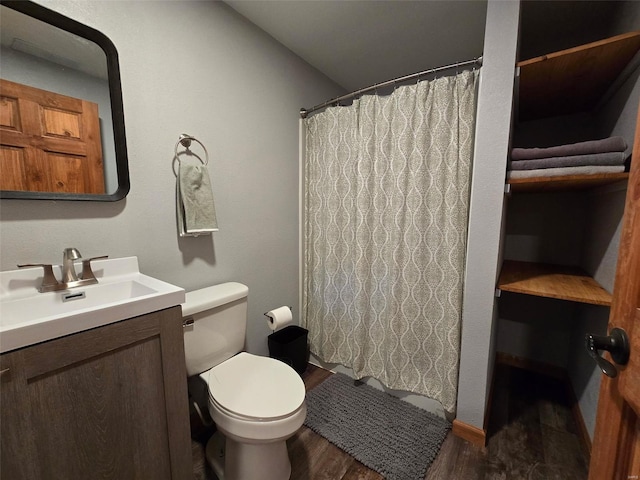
257,405
256,402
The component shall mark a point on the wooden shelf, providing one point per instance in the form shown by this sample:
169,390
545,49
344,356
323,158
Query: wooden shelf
552,281
568,182
573,80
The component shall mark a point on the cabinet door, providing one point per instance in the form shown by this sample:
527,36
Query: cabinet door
109,403
16,442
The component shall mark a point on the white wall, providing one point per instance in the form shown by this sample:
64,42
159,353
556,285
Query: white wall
606,207
492,143
197,68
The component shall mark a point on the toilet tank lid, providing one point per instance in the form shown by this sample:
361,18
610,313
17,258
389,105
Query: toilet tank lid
211,297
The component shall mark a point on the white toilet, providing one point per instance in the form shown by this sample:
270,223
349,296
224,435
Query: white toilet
257,403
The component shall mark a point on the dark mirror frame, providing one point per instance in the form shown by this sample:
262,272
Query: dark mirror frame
115,92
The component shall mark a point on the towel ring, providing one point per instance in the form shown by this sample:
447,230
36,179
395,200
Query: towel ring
185,140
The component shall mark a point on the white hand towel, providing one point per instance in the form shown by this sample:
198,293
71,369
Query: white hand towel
194,198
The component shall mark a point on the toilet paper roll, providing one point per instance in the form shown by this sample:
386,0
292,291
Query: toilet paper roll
279,317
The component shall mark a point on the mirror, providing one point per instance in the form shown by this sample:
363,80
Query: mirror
45,55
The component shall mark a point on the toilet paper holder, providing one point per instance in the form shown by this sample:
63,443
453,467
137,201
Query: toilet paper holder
279,318
266,314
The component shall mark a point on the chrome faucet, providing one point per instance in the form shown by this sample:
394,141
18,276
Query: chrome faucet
69,255
70,278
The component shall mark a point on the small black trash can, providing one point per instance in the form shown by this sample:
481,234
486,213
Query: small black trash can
290,346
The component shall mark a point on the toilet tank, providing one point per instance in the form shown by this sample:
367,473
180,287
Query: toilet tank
219,325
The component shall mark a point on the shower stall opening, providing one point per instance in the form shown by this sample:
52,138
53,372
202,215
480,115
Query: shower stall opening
385,205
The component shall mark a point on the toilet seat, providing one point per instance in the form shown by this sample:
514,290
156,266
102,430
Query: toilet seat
255,388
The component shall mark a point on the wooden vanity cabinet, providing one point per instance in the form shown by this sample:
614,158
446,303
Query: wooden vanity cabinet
107,403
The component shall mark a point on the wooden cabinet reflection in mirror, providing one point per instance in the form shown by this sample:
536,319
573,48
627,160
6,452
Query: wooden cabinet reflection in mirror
49,142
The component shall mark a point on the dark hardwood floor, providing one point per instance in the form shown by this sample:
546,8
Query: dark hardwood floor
532,436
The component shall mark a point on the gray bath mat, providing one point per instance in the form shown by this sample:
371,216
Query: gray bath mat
388,435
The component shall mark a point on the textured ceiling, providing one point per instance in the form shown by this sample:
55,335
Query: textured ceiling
359,43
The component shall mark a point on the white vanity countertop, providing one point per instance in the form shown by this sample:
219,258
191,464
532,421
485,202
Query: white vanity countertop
122,292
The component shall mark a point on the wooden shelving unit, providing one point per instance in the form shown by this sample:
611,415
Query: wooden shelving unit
552,281
573,80
565,82
569,182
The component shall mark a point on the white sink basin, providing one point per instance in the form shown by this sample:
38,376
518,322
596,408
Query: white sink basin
28,316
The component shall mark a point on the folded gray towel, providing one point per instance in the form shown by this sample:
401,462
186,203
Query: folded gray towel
565,171
611,144
194,198
610,158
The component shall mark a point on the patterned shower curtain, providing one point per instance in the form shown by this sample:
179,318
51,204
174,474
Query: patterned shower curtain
386,207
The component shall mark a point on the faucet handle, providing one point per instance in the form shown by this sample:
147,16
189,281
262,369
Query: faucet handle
71,253
49,280
87,272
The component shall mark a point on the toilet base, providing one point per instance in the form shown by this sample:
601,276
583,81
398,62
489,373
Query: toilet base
248,461
215,453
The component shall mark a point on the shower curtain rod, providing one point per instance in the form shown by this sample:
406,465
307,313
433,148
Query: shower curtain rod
304,112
